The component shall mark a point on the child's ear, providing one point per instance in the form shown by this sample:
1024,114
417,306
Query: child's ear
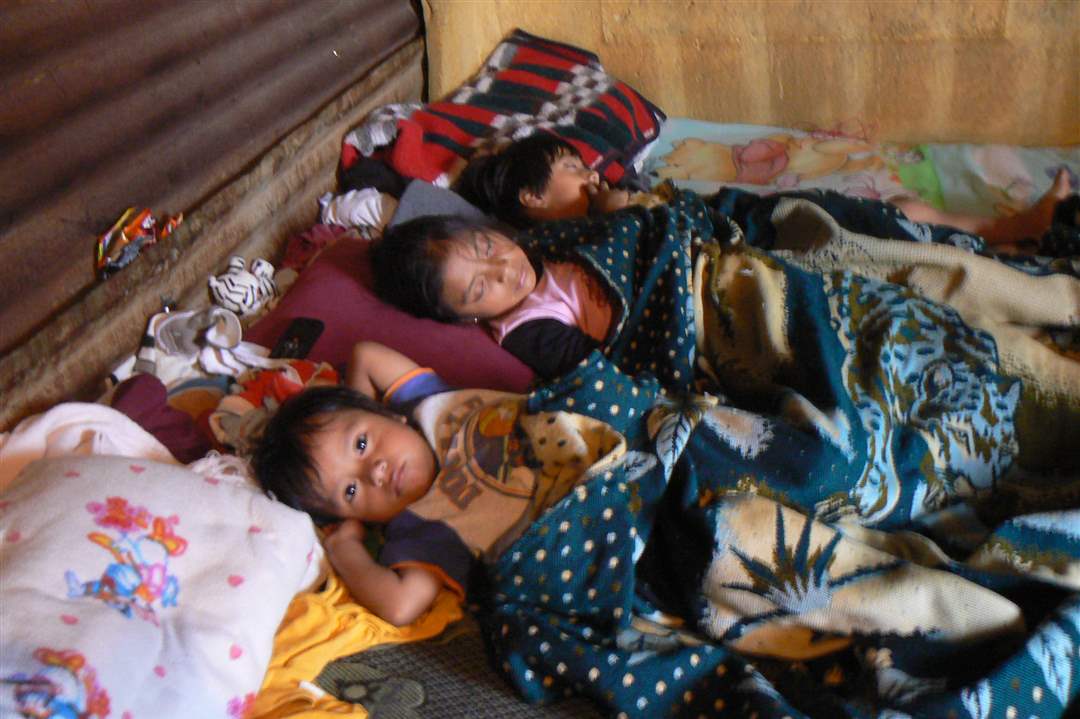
531,199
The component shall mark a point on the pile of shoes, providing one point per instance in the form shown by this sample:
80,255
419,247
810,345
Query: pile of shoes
179,344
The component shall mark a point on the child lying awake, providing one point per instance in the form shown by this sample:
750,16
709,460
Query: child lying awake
455,475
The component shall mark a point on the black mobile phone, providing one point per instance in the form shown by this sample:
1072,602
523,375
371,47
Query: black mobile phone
298,338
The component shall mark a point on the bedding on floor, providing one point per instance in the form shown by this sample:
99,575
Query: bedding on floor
808,526
987,180
860,517
878,519
901,518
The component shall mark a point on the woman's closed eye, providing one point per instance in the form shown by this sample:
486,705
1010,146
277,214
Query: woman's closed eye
477,292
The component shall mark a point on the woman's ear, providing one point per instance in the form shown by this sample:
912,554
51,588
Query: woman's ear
528,198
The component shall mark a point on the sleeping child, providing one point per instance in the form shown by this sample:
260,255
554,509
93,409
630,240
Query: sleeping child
540,177
552,296
548,313
543,177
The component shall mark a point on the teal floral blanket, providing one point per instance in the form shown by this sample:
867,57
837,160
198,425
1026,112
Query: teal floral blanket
826,507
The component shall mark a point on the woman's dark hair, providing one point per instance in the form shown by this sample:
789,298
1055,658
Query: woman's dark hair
494,182
282,457
408,261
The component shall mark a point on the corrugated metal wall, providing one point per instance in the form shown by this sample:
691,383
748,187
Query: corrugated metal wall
155,103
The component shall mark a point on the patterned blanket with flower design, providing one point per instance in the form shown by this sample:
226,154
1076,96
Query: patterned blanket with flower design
849,522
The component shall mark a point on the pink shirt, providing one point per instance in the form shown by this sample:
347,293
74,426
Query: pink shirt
566,292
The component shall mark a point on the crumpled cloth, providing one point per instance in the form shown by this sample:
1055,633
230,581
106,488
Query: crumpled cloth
86,428
322,626
379,130
241,417
365,209
76,428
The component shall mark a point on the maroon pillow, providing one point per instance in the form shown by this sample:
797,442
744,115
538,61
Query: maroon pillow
336,288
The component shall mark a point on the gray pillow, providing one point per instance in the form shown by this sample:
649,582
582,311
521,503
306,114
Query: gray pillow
423,198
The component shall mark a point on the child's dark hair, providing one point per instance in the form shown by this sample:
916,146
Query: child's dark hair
282,457
494,182
408,260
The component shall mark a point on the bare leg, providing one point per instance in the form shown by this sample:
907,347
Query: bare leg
1030,222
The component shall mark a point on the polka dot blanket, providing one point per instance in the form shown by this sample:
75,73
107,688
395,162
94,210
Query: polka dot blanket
827,511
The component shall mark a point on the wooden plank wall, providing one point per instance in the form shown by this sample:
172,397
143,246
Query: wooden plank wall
908,70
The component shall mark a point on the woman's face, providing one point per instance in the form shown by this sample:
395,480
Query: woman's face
567,194
485,275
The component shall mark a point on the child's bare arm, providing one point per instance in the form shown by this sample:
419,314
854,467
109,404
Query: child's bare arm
374,367
397,597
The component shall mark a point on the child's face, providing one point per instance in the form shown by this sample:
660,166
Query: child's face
370,467
567,193
485,275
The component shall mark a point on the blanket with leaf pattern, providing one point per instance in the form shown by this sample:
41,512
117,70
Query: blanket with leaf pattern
837,505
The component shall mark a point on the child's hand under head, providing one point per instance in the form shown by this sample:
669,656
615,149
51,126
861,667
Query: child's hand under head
344,535
398,596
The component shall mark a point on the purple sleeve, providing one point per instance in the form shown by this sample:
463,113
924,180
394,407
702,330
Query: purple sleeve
421,385
411,540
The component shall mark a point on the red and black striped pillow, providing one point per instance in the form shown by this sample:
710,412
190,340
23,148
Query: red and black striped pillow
527,85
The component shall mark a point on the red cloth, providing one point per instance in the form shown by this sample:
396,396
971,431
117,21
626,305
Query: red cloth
303,248
278,386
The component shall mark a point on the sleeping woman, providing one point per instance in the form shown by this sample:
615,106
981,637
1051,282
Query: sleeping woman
679,292
835,401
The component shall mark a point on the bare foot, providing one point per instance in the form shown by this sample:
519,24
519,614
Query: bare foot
1034,220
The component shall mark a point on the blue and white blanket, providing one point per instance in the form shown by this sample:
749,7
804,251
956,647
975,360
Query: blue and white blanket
830,511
